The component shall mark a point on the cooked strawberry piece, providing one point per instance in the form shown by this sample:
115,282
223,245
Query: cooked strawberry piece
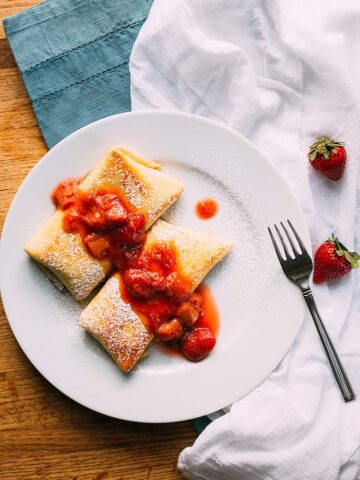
176,286
197,344
85,203
142,284
102,211
106,200
157,310
94,219
128,237
197,301
170,330
125,257
136,221
132,233
71,221
132,256
64,194
98,245
159,258
112,208
187,314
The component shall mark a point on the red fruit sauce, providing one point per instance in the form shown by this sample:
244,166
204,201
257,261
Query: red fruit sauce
151,280
209,319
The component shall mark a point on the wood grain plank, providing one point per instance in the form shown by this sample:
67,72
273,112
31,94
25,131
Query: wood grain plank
43,434
6,57
11,7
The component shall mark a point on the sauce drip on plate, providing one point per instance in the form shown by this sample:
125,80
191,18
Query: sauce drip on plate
206,208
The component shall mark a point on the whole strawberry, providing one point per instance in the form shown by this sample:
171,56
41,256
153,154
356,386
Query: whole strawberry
332,260
197,343
328,157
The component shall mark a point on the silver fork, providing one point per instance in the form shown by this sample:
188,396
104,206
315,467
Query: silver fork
298,270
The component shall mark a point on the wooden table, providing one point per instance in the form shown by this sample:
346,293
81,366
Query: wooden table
43,434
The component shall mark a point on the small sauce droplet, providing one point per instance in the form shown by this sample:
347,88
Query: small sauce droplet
206,208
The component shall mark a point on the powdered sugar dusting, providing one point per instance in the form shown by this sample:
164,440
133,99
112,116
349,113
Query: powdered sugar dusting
146,189
240,219
64,254
112,321
198,251
113,170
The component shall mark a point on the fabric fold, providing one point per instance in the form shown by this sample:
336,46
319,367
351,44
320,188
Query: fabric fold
280,73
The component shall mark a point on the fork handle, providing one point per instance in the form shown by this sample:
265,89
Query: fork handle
336,366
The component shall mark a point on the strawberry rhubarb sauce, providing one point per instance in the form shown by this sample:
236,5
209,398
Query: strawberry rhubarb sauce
151,279
206,208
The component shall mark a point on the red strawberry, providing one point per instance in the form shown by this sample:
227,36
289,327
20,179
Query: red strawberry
328,157
333,260
197,344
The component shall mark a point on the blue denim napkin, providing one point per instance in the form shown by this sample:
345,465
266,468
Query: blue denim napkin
73,56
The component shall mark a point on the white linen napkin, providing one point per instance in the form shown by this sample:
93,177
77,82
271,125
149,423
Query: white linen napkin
281,73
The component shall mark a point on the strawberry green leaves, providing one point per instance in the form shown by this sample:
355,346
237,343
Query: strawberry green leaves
323,146
341,251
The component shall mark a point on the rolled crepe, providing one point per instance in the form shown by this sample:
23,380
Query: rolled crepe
65,255
142,187
113,322
115,325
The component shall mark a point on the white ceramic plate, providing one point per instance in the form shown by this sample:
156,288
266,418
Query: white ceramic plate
260,310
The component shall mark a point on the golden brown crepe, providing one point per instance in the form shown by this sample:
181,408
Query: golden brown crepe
115,325
198,252
144,188
113,322
65,255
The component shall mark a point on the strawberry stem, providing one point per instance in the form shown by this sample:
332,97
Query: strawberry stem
323,146
341,251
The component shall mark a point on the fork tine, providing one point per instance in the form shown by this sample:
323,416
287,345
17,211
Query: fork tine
301,245
287,254
295,250
278,253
